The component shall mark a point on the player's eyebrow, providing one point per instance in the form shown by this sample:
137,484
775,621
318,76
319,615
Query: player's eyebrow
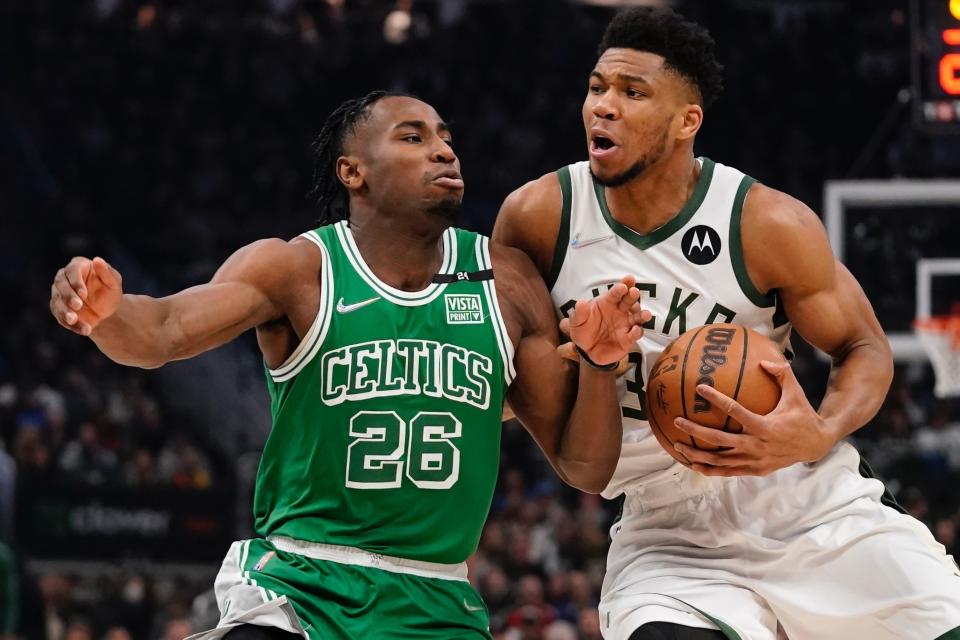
420,125
623,77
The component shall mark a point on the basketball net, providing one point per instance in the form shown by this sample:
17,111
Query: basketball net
940,336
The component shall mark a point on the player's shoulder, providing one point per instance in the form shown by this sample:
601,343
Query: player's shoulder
768,210
510,263
536,198
521,292
784,242
529,219
277,259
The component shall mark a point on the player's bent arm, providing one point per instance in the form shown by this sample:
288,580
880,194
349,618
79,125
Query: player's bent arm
786,248
252,287
578,430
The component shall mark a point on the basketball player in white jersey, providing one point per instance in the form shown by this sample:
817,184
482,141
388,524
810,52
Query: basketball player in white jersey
784,525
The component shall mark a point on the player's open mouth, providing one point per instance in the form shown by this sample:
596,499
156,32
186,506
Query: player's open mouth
601,146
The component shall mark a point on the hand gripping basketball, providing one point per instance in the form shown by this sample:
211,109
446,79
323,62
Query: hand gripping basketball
606,328
84,293
793,432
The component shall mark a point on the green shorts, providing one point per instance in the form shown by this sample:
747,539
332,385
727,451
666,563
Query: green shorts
359,595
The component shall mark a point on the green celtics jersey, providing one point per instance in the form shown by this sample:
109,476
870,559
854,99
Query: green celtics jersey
386,418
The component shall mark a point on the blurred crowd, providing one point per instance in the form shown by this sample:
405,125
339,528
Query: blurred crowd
180,131
70,417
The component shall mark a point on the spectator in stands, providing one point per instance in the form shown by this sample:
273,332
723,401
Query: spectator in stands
141,470
941,438
86,460
532,611
945,531
181,464
177,629
589,624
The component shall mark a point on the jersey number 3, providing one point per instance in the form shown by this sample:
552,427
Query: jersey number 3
636,386
386,448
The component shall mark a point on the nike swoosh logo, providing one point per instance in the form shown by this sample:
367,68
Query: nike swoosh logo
577,243
347,308
470,607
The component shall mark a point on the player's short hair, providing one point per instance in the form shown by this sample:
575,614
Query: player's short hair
686,47
327,192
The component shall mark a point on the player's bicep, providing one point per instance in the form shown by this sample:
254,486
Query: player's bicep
245,292
835,317
543,391
542,394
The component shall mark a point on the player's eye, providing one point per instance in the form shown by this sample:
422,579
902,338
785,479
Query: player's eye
595,89
633,93
413,137
449,142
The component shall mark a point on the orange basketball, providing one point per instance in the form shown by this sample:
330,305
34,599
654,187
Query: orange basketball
724,356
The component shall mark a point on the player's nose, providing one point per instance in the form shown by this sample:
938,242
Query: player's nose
443,152
605,107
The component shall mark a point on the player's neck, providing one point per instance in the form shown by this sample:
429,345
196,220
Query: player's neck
404,254
655,197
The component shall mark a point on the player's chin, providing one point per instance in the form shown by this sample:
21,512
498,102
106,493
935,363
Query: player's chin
449,206
604,171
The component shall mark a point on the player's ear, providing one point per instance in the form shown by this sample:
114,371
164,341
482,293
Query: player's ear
350,172
690,120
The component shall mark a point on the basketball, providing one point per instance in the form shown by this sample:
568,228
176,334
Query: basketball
724,356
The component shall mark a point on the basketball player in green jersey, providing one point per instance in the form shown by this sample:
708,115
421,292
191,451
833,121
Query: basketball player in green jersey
390,341
779,524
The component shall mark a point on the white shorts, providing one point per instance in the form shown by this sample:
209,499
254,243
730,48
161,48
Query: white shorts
241,601
810,546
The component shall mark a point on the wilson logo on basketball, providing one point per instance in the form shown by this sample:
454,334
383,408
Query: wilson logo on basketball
701,245
717,340
723,356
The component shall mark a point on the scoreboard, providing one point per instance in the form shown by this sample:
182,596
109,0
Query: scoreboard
935,43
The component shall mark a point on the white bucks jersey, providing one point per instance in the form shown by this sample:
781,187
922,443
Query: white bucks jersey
690,272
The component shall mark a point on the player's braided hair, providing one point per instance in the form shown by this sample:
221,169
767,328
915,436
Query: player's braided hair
327,192
686,47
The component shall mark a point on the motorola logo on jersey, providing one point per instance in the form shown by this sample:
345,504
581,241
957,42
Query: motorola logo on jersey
701,244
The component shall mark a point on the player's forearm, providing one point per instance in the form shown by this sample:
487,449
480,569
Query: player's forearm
137,334
590,443
150,332
858,384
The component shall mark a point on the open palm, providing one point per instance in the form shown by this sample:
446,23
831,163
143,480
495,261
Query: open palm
607,327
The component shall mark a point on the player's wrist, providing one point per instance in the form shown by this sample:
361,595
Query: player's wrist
595,365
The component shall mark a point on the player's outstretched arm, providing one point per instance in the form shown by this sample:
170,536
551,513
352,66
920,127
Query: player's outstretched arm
786,249
573,415
252,287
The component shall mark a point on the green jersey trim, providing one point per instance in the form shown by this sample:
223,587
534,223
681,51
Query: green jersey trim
310,345
563,235
394,295
729,632
641,241
736,250
953,634
499,326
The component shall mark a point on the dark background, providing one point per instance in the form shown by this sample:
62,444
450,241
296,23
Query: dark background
164,135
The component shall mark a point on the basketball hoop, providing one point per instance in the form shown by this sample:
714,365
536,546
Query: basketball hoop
940,336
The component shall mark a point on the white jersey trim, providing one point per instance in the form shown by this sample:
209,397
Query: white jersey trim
392,294
499,327
363,558
310,345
